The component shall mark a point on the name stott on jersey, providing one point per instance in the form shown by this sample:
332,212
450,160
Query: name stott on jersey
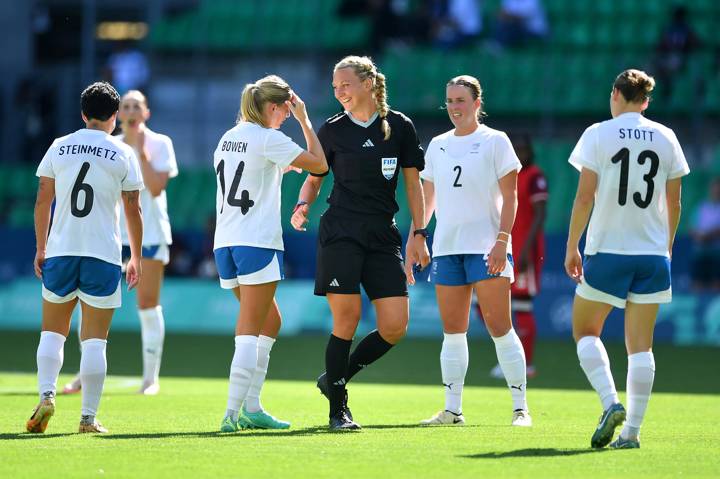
156,223
465,171
365,166
90,169
633,158
249,163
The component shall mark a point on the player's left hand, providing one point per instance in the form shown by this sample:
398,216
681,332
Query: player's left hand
497,259
573,264
133,272
38,263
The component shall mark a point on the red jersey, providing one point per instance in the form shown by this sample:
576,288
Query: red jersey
532,187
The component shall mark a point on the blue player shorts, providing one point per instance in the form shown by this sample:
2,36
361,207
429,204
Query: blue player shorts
616,279
94,281
238,265
462,269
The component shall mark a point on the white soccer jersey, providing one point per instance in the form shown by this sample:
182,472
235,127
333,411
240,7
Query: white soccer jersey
90,169
156,222
249,162
633,158
465,171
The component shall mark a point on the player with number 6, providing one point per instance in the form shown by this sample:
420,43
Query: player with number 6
250,160
629,191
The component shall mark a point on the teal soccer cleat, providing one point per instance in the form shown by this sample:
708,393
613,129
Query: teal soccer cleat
260,420
621,443
228,425
611,418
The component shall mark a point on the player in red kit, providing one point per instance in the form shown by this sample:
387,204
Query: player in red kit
528,247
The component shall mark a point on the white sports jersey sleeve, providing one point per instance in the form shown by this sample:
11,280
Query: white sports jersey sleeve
505,159
280,149
91,169
633,158
249,162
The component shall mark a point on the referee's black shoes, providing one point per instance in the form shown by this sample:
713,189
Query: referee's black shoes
323,387
341,422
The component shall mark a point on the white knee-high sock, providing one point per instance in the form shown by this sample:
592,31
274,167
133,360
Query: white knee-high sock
640,378
242,370
50,354
595,362
252,401
93,368
511,358
454,365
153,334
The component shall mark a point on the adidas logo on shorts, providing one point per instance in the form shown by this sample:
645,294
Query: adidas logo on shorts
368,144
334,282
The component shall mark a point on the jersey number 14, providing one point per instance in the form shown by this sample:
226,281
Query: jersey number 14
623,157
244,202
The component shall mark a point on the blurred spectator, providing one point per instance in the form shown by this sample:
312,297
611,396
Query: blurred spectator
35,104
520,22
128,69
181,259
705,268
677,41
206,266
455,22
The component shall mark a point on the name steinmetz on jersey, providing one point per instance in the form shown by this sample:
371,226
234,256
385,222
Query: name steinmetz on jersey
634,158
90,169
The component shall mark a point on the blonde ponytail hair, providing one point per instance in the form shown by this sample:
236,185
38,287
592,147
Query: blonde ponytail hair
364,68
269,89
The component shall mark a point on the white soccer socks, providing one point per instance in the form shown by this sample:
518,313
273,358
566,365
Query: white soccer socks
511,358
153,335
242,369
640,378
454,365
93,369
50,353
595,363
252,401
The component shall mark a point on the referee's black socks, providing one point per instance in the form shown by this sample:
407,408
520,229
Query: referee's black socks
370,349
336,367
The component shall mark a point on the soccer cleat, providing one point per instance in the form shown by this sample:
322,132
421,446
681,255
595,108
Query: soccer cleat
445,418
323,387
521,418
228,425
342,422
611,418
260,420
149,389
621,443
91,428
41,415
73,387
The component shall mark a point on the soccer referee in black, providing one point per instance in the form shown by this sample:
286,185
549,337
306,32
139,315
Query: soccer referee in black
366,146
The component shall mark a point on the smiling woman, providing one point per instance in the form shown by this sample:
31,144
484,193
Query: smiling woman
366,146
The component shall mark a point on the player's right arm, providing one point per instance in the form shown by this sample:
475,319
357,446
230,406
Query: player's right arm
308,194
133,216
673,193
582,207
43,207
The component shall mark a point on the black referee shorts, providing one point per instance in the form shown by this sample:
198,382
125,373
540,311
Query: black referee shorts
353,252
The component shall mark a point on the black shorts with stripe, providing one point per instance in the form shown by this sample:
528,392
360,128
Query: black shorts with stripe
356,251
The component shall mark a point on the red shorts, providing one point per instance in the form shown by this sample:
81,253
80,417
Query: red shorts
527,283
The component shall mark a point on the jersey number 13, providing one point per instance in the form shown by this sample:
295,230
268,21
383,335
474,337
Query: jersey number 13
623,157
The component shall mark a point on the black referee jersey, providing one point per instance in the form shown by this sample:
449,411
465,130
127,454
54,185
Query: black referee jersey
365,166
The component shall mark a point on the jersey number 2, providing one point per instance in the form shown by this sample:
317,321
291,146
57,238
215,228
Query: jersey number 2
244,202
85,188
623,157
457,183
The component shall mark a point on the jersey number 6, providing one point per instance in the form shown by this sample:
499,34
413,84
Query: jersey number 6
85,188
244,202
623,157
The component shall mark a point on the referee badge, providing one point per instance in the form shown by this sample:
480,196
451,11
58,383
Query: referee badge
389,165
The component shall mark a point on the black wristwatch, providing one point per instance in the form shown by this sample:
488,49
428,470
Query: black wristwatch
421,231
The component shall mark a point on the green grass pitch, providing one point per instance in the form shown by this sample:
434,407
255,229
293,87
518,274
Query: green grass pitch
175,433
